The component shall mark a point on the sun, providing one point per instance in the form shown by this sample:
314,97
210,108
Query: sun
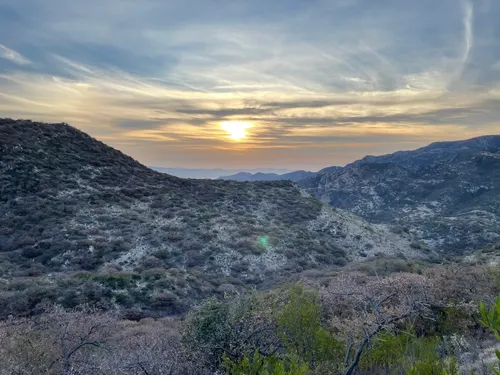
236,129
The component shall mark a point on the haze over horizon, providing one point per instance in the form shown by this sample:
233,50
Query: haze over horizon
245,85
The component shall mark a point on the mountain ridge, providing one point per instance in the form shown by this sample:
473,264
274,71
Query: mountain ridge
259,176
443,149
446,193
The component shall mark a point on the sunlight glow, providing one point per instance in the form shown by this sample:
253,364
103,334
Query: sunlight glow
236,129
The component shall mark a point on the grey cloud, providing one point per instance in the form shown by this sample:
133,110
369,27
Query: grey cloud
489,111
226,112
157,123
138,124
267,108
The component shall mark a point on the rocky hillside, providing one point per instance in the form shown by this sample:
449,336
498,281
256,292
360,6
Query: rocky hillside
69,203
446,194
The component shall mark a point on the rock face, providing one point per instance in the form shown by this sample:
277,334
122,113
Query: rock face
69,202
446,194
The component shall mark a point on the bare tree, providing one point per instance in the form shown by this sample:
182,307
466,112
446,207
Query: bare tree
77,334
148,347
364,306
85,341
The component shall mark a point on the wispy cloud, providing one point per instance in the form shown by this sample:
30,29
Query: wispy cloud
468,41
13,56
468,31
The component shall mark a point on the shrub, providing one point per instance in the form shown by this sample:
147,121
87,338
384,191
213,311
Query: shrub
302,331
260,365
404,352
207,332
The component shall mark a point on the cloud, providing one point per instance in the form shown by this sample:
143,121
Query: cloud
13,56
468,40
468,32
322,82
139,124
223,112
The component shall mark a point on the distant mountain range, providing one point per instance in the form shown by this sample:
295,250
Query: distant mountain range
216,173
261,174
291,176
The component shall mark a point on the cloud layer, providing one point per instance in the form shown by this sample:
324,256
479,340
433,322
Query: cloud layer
322,82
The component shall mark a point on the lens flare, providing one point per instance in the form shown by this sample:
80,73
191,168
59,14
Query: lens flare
264,241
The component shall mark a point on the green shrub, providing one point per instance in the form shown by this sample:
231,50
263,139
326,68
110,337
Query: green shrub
432,366
261,365
387,351
301,329
404,353
490,318
208,331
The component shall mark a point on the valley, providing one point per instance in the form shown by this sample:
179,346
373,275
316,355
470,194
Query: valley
72,204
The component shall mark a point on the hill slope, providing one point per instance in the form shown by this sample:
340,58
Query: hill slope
447,194
70,203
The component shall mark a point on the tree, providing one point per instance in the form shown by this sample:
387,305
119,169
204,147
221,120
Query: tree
59,341
89,342
76,334
363,307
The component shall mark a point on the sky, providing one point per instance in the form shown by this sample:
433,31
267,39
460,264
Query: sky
293,84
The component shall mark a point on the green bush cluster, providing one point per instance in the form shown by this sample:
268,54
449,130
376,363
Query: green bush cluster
261,365
286,332
302,330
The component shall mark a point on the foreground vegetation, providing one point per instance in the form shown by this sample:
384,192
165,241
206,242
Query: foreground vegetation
443,320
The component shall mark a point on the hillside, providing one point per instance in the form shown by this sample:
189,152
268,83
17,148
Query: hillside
245,176
70,203
446,194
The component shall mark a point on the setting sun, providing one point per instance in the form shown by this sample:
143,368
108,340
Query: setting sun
236,129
